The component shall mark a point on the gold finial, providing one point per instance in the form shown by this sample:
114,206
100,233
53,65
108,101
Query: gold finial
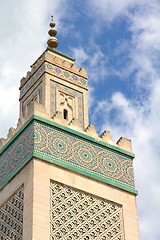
52,41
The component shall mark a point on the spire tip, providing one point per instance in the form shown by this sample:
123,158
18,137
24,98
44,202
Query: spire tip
52,41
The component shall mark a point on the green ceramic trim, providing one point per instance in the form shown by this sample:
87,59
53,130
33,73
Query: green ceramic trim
16,170
85,172
117,149
43,120
16,135
73,167
61,54
63,163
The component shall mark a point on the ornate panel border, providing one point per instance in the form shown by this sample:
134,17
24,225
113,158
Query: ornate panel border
76,151
66,75
67,90
49,141
16,153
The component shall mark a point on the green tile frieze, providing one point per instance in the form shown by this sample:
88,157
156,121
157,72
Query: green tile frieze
67,149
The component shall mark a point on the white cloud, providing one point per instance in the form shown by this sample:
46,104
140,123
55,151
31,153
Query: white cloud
21,42
135,119
108,10
80,55
92,57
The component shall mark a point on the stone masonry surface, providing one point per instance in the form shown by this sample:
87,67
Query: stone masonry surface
56,71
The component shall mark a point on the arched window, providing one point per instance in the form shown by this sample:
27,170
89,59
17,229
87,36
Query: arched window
65,114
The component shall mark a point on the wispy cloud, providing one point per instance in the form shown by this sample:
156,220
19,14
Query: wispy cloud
138,118
92,57
21,42
24,27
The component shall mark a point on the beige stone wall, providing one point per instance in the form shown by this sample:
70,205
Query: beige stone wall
30,95
44,172
37,197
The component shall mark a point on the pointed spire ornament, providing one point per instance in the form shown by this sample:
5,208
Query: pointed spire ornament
52,41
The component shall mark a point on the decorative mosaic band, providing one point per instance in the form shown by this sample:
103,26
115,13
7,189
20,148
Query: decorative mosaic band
66,75
63,146
66,149
56,71
16,153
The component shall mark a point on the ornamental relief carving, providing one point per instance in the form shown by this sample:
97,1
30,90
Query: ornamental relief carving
11,217
78,215
66,104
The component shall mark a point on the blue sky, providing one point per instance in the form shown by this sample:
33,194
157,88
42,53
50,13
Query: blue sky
118,42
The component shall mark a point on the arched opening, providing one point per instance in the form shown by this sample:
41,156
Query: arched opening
65,114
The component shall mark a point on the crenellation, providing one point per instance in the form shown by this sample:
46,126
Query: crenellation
58,118
91,131
38,61
106,137
83,71
58,60
125,144
2,142
34,68
28,74
74,68
67,64
22,81
75,124
20,123
11,132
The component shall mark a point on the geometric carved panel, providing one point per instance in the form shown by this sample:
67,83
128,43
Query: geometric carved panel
55,88
79,215
11,218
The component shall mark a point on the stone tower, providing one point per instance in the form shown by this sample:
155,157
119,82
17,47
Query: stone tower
58,178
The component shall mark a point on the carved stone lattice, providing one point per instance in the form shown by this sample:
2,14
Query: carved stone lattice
11,218
78,215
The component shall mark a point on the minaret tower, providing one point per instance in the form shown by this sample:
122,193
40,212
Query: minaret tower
58,178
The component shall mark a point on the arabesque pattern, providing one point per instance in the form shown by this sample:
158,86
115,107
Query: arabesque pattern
11,218
66,149
66,75
78,215
17,152
89,156
56,86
